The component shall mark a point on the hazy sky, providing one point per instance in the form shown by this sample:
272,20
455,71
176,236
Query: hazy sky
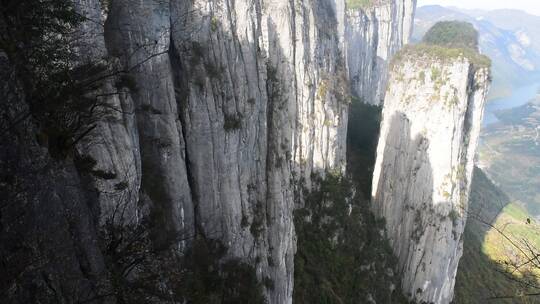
530,6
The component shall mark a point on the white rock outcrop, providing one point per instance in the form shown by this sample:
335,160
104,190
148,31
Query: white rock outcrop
373,35
431,122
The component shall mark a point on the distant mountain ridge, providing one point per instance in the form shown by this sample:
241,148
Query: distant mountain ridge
510,37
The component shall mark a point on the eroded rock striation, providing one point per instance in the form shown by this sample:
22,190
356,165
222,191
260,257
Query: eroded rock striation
374,33
431,122
221,110
232,104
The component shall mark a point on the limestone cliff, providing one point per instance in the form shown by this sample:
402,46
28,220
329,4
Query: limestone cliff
221,110
431,122
239,107
374,33
214,114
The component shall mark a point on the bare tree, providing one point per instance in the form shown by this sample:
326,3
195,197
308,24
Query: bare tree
520,265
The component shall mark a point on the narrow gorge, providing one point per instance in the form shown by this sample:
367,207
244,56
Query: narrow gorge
374,34
213,125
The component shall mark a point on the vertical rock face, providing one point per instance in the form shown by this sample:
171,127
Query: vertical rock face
373,35
260,108
431,122
224,108
115,141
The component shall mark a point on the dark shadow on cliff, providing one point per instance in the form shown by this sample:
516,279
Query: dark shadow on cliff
237,105
479,278
48,251
404,196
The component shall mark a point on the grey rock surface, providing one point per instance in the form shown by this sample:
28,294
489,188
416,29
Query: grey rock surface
221,112
373,35
234,103
431,123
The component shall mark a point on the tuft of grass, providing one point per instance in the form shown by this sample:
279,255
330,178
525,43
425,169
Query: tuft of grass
121,186
359,4
257,225
103,174
214,24
197,53
126,81
454,216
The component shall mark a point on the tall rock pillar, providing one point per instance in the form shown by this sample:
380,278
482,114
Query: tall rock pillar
431,122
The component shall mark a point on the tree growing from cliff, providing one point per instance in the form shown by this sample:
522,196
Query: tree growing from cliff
500,260
520,265
142,272
39,40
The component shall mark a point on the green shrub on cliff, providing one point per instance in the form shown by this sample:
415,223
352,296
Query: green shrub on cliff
454,34
426,51
447,40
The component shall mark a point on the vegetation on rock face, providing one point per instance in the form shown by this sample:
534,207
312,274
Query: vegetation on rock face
232,122
437,52
359,4
41,44
342,254
445,41
63,90
453,34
